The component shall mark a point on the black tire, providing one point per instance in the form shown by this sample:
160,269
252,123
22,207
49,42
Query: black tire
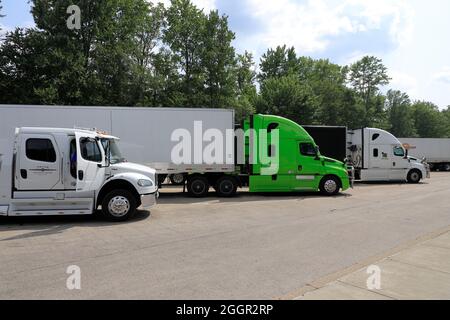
198,186
226,187
330,186
177,179
123,209
414,176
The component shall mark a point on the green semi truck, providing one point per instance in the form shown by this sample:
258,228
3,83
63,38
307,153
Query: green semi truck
300,165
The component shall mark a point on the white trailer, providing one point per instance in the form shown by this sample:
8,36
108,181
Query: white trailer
435,151
56,171
377,155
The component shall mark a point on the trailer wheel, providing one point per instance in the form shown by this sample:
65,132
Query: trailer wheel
226,187
446,167
177,179
119,205
330,186
414,176
198,186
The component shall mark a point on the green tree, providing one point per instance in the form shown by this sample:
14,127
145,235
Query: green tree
288,97
398,107
246,89
148,60
366,76
428,120
22,66
327,81
95,62
184,36
278,63
446,119
218,61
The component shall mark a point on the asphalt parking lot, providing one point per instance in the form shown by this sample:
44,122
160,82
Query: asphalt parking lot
248,247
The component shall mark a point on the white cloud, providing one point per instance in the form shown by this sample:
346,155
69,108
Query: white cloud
403,82
307,25
443,76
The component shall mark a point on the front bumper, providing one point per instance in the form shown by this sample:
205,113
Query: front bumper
149,200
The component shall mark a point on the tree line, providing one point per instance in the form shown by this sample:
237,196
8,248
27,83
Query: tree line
136,53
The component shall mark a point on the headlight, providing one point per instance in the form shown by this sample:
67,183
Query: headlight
145,183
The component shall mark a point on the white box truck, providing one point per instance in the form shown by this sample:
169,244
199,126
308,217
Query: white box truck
54,171
375,154
436,152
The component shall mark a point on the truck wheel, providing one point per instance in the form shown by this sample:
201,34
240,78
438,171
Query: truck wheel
447,167
177,179
119,205
198,186
330,186
226,187
414,176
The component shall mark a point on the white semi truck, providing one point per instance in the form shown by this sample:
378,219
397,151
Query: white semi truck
375,154
53,171
435,151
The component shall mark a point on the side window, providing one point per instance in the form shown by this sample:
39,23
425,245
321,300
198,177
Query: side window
375,136
375,153
90,150
73,158
40,150
399,152
308,149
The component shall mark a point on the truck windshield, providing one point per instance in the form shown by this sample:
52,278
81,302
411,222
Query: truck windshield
114,152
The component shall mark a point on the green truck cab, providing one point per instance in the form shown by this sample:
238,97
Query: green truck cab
297,165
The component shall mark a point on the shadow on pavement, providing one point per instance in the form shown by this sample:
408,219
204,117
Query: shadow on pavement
184,198
50,225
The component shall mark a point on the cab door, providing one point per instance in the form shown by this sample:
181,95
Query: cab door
89,162
400,164
39,164
380,162
310,169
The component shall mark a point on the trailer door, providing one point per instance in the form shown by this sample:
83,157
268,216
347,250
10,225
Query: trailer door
90,159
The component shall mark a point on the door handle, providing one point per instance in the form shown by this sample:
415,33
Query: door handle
24,174
394,164
300,168
80,175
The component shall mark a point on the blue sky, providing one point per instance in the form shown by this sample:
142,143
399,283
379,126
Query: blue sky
411,36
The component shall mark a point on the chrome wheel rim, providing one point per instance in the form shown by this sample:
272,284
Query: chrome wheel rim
330,186
178,178
119,206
